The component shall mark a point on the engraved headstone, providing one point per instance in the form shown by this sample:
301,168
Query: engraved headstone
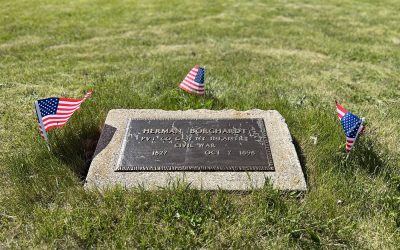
196,145
228,149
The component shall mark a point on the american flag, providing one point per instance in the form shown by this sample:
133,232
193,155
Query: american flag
55,112
352,125
194,81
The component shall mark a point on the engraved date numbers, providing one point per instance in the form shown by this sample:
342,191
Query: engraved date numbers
247,152
159,153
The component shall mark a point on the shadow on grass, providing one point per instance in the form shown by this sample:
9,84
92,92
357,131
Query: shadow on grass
369,157
366,156
77,149
216,103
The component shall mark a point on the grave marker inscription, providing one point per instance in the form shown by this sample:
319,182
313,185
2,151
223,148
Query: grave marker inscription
196,145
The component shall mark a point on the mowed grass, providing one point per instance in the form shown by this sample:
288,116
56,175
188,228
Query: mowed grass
297,57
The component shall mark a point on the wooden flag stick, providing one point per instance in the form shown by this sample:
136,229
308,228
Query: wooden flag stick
39,115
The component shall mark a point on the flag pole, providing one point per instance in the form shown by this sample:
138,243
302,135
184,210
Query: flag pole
39,115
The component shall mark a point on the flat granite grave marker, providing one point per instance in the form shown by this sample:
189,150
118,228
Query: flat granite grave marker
227,149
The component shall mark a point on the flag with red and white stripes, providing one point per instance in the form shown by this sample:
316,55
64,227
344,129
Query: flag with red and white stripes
352,125
194,81
55,112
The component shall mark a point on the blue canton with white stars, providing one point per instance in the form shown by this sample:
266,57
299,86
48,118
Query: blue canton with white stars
48,106
200,75
351,123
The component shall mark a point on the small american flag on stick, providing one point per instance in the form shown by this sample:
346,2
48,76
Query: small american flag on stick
194,81
55,112
352,125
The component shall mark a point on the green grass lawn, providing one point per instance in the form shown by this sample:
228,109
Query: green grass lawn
297,57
